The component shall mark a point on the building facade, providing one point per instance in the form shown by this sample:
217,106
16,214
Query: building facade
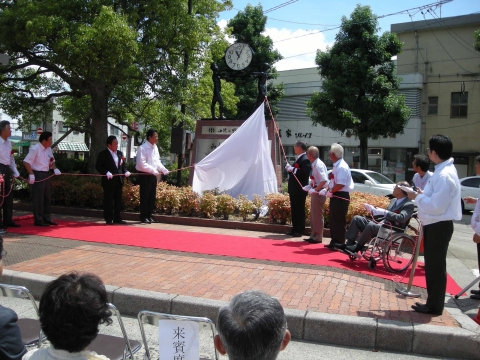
441,51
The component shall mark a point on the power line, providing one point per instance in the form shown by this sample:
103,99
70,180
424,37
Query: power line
280,6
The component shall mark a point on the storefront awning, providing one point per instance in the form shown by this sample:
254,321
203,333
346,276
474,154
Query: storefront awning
72,146
22,143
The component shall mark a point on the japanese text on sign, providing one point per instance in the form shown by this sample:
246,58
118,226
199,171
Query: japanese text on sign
219,130
178,340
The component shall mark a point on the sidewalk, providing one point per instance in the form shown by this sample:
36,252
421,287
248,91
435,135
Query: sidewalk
309,289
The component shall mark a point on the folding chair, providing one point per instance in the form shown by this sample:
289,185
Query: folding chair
155,319
115,347
30,328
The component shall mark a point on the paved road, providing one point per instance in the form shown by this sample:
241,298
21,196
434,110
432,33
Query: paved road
296,350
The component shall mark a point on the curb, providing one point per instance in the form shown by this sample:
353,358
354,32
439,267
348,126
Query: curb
333,329
175,220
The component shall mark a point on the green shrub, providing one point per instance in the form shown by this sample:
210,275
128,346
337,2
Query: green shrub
130,196
208,204
245,206
189,201
225,205
279,208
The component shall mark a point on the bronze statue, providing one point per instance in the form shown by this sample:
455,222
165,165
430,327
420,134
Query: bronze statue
262,84
217,89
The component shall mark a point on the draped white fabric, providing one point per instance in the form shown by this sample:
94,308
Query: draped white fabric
242,164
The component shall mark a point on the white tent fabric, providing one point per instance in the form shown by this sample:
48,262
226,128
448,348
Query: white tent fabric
242,164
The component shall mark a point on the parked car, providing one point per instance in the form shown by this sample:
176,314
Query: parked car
372,182
470,186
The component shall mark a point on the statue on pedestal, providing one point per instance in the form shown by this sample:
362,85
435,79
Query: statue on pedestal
262,84
217,88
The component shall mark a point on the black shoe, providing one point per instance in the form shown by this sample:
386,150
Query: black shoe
40,224
291,232
475,292
352,248
475,297
312,241
109,222
296,235
340,246
330,246
11,224
426,310
50,222
121,222
145,221
419,304
151,220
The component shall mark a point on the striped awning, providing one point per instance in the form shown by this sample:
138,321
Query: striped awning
72,146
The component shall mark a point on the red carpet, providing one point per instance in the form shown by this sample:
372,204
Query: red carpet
224,245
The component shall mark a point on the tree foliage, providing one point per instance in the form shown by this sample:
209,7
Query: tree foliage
477,40
123,59
247,27
359,82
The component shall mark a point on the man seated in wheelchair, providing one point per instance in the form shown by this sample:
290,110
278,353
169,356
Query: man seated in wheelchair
398,214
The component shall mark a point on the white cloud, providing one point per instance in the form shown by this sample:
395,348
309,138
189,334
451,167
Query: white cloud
300,43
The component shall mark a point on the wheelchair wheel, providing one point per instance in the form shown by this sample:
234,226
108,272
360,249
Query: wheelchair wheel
372,264
352,257
398,253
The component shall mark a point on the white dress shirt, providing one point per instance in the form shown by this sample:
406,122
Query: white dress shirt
39,157
341,175
319,173
114,156
441,198
421,182
475,222
6,156
148,159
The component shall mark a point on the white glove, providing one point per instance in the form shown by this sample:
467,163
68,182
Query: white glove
16,174
289,168
165,172
286,166
379,211
306,188
127,174
323,192
369,207
155,172
329,194
31,179
109,175
57,172
312,191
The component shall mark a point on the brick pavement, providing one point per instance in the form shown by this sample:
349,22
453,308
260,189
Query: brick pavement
302,287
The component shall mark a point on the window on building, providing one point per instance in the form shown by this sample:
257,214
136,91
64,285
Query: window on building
114,130
459,104
433,105
62,127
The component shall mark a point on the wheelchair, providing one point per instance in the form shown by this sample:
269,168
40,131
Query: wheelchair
392,245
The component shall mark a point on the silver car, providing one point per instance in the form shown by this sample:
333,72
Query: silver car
470,186
372,182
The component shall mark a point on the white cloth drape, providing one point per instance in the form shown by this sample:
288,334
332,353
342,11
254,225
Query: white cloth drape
242,164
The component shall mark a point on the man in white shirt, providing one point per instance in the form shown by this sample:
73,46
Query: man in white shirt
438,205
339,189
109,162
148,161
38,162
7,169
421,163
318,180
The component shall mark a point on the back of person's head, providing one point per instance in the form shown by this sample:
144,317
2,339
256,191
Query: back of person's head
313,152
337,150
422,161
71,308
252,326
442,145
301,144
478,159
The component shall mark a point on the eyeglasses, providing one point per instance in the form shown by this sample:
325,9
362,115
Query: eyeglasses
428,149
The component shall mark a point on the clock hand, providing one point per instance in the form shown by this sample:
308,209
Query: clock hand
241,52
238,55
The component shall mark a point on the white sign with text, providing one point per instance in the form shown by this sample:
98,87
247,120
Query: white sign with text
178,340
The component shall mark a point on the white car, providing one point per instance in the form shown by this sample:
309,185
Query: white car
470,187
372,182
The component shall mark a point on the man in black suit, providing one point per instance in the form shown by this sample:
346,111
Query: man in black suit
111,162
301,171
11,345
398,213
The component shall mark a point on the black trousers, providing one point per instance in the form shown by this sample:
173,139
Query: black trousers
437,238
41,197
7,205
368,230
478,258
297,206
112,200
148,190
338,216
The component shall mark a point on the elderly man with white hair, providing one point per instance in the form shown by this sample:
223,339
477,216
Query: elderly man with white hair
339,189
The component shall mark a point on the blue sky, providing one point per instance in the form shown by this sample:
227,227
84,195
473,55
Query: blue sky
298,19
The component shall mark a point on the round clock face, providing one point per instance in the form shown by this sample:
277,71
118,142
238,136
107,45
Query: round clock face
238,56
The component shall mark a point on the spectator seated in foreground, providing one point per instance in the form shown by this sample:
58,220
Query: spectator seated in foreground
11,345
252,326
71,308
398,213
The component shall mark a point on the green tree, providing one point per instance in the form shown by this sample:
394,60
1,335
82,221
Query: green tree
477,40
119,59
360,83
247,27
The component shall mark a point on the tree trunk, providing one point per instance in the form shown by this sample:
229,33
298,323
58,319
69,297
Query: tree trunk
99,124
363,152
